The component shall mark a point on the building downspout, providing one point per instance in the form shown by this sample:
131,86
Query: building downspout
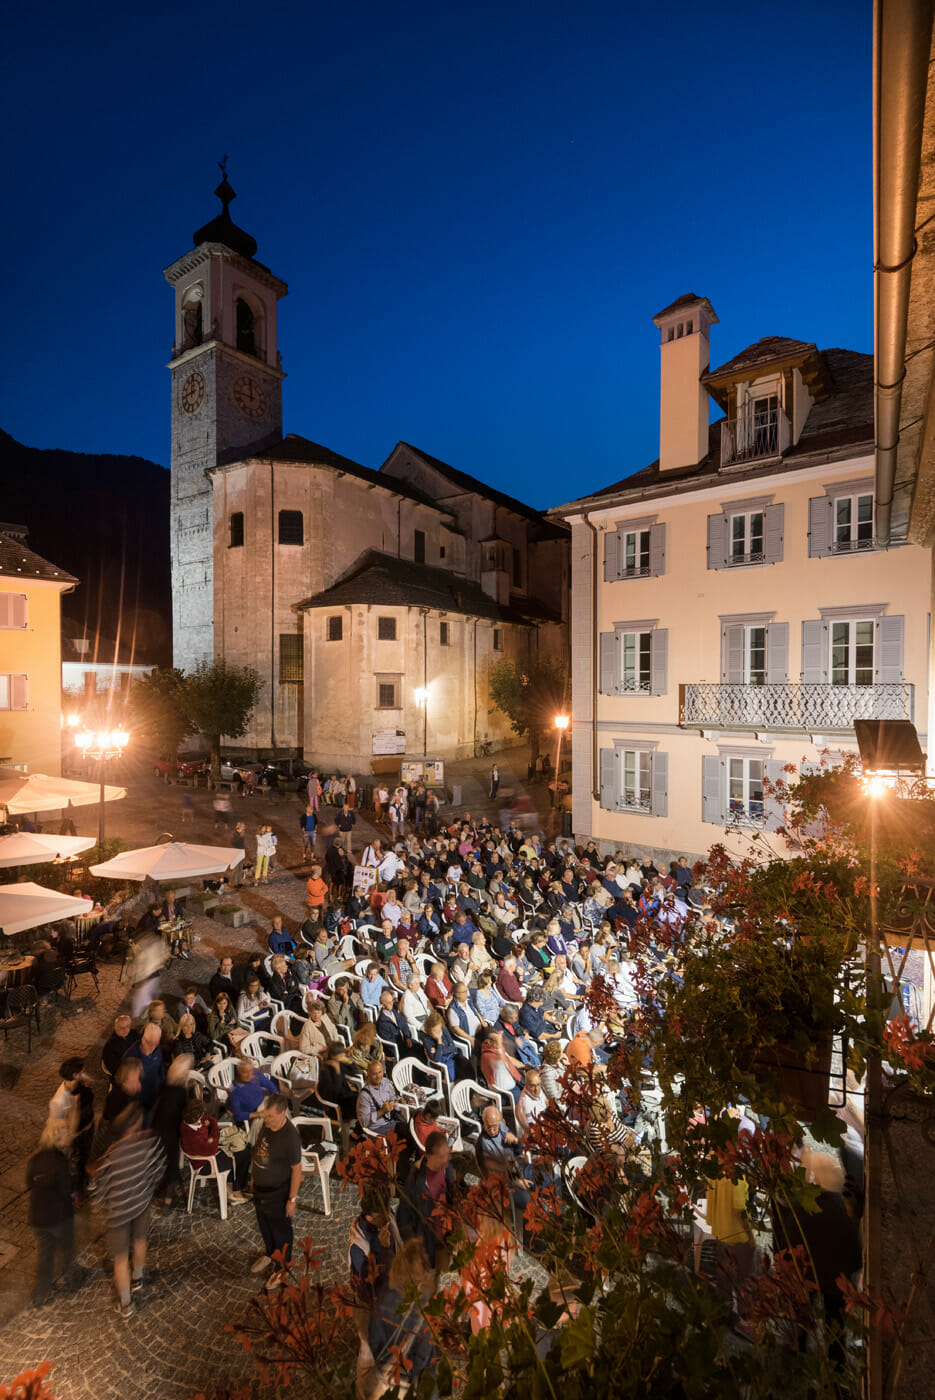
902,44
595,665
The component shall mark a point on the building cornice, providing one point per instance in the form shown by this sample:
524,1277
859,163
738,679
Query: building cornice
214,252
714,489
228,352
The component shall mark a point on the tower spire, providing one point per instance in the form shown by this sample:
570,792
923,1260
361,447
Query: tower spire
222,228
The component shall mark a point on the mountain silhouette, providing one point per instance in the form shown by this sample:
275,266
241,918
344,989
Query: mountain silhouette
105,518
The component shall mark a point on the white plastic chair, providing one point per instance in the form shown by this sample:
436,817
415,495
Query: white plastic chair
449,1126
468,1116
348,947
256,1047
322,1161
360,967
407,1073
200,1178
281,1069
221,1077
287,1023
425,962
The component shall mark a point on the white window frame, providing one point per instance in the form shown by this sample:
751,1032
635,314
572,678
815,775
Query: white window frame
639,761
747,555
851,624
14,612
748,782
638,537
748,650
642,641
8,687
853,543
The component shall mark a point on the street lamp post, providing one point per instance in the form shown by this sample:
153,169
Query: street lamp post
561,724
422,700
104,747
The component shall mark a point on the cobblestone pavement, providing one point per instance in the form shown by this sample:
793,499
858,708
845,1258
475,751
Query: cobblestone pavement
175,1345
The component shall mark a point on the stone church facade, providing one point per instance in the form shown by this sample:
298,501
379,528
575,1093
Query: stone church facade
372,603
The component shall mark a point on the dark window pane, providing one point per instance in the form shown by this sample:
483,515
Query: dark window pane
236,529
418,546
387,696
443,633
335,629
290,527
386,629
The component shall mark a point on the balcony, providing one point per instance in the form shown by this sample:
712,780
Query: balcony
797,706
754,437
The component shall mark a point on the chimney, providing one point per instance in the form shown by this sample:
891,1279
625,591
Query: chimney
683,399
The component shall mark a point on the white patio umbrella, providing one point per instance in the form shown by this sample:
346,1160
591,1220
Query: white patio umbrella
176,860
29,848
37,792
28,905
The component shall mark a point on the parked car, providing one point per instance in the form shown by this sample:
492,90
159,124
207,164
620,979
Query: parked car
194,766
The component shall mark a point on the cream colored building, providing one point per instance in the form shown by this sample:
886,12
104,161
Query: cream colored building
731,610
30,655
372,603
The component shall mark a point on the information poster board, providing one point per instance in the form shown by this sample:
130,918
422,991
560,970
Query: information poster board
365,879
430,771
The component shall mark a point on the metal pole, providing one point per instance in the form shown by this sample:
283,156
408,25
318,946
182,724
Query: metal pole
100,819
873,1377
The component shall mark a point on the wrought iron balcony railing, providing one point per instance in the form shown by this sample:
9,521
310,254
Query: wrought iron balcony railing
797,705
753,436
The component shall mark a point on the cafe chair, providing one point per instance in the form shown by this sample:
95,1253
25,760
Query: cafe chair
22,1008
78,967
319,1152
202,1178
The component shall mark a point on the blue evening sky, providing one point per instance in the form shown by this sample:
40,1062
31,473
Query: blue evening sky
477,207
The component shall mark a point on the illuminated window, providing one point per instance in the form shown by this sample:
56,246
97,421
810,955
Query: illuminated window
291,659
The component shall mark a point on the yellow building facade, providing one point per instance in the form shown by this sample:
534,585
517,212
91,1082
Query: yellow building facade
31,591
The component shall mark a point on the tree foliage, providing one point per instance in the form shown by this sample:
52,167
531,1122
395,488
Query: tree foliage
220,699
530,696
160,709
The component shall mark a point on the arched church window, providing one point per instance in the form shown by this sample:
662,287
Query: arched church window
192,320
246,327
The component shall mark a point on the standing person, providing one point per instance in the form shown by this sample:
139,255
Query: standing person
73,1104
350,790
345,821
277,1175
494,781
239,843
125,1180
153,1070
398,817
316,892
307,824
51,1208
381,798
263,853
313,790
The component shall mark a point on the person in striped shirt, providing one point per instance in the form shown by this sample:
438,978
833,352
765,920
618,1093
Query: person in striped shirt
125,1179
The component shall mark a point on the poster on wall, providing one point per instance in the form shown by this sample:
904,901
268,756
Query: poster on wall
387,741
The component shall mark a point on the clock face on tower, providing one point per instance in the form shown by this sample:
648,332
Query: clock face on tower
192,394
249,397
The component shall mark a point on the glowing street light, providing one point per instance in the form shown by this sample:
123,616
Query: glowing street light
103,746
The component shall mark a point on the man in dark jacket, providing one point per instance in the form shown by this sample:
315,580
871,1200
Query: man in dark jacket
392,1025
121,1038
224,980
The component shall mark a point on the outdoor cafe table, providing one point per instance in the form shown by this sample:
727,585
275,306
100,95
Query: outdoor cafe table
16,969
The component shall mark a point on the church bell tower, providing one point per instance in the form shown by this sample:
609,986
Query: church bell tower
226,402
